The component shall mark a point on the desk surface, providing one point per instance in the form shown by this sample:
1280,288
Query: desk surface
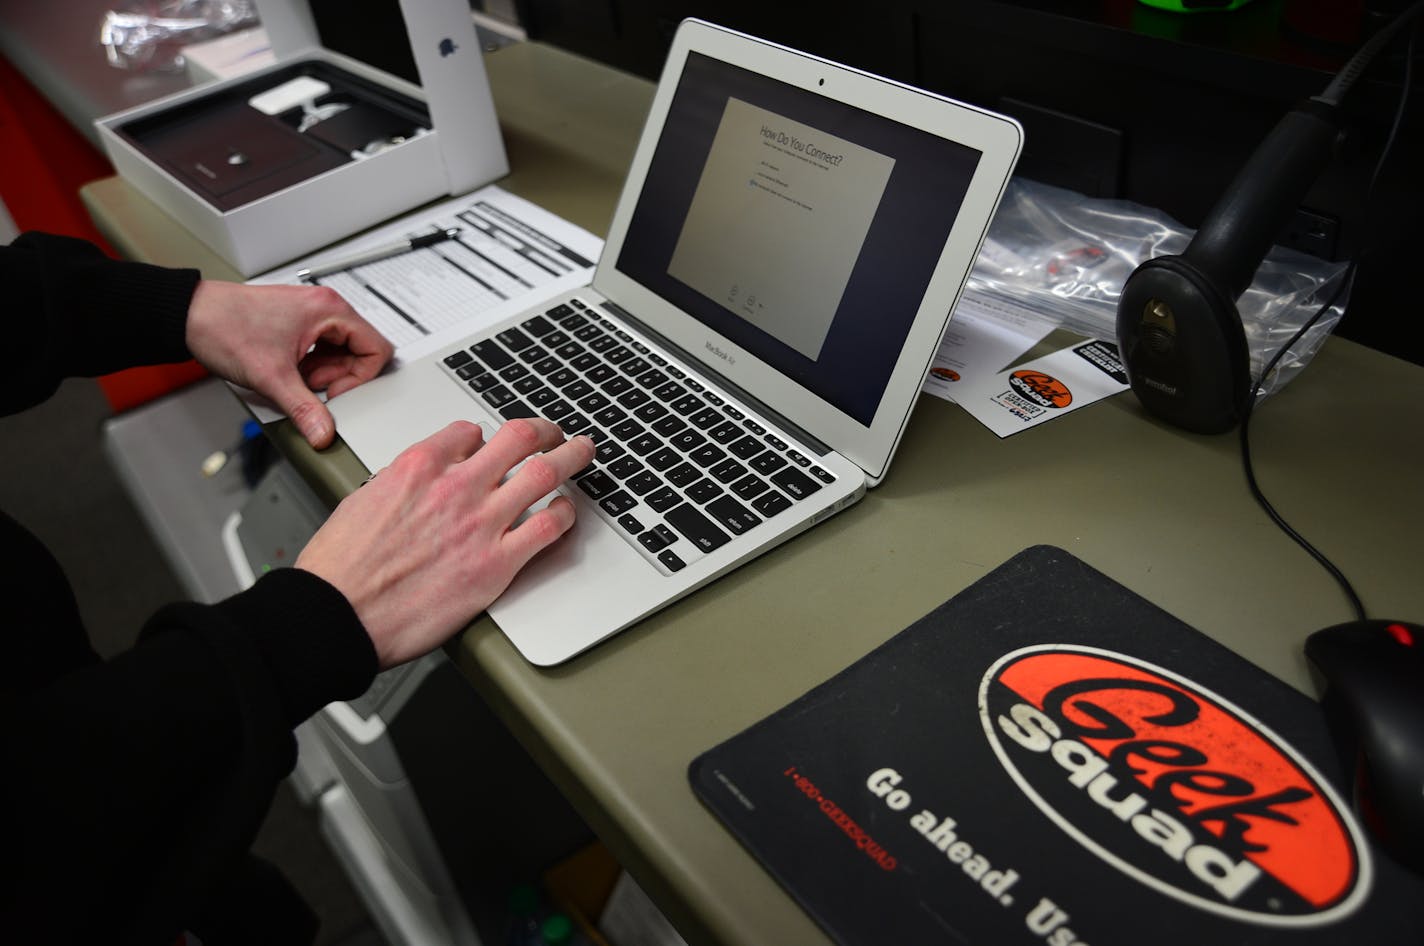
1163,512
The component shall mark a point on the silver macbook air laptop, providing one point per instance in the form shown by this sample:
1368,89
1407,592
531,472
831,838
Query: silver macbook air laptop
780,268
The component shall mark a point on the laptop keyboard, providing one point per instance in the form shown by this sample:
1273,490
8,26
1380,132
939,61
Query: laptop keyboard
679,469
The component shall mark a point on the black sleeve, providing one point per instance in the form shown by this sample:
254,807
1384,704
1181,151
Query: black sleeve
139,783
70,311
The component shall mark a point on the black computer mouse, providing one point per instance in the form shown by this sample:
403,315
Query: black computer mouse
1374,702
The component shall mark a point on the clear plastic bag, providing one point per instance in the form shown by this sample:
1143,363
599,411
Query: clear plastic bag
1066,257
149,35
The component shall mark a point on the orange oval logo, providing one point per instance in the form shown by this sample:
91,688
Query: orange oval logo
1042,389
1174,785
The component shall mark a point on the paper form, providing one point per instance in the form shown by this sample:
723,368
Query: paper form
510,255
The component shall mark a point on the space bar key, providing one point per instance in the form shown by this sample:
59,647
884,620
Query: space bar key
695,527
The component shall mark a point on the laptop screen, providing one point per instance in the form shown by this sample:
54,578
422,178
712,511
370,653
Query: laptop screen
801,228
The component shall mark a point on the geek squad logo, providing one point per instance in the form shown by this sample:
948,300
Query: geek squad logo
1174,786
1041,389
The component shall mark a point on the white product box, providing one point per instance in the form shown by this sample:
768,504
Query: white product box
462,148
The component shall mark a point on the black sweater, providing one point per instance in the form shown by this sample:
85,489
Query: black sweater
135,786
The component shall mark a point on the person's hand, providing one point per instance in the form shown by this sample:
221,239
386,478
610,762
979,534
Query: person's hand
430,541
285,342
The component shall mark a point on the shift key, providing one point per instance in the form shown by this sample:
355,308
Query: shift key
696,528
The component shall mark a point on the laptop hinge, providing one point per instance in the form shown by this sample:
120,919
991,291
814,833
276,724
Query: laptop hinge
792,428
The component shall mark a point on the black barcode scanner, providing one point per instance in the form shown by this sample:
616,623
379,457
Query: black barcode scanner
1178,329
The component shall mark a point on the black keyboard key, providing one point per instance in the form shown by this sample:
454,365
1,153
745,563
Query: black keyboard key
597,484
608,451
687,404
626,430
555,340
569,351
796,484
596,434
707,417
650,412
725,432
746,448
498,396
676,372
630,524
734,413
514,372
468,371
651,379
624,467
768,463
657,538
683,473
641,484
669,392
600,373
594,402
457,359
770,503
514,339
578,389
556,409
644,444
695,385
696,528
541,397
669,425
703,490
750,486
633,398
776,441
728,470
562,377
714,398
610,415
537,326
634,367
733,515
687,440
662,459
617,385
573,424
617,355
754,427
528,384
517,409
531,355
617,503
663,499
491,354
670,560
706,455
483,382
560,311
585,333
603,343
584,362
822,474
797,458
549,365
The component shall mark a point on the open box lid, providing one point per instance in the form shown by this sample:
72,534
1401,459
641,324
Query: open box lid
447,61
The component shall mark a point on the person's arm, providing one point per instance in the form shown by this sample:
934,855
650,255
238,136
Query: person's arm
73,312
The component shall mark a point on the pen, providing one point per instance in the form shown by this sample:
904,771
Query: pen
378,253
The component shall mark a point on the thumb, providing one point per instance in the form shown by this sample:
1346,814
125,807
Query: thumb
309,414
